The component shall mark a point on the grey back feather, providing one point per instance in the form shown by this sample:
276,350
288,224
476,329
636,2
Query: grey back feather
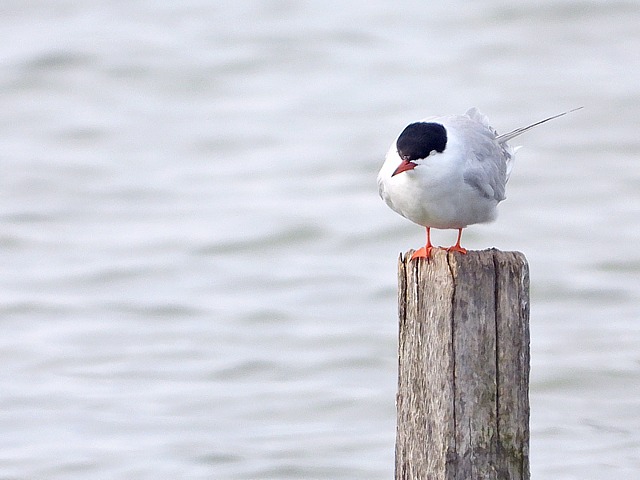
486,169
489,165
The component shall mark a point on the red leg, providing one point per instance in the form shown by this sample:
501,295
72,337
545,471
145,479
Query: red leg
457,247
424,252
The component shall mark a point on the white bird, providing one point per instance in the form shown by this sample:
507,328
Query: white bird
449,172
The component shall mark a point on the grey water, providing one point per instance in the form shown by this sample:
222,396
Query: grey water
197,277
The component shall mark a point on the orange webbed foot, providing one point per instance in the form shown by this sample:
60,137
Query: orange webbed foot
457,248
427,250
423,252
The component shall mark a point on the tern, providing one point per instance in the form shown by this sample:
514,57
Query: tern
449,172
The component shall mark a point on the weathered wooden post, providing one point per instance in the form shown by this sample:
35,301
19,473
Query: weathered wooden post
463,367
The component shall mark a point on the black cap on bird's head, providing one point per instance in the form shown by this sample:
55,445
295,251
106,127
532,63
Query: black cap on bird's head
417,141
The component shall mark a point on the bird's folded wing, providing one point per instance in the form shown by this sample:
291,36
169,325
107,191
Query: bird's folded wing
487,174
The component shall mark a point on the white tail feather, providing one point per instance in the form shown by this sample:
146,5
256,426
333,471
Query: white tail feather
519,131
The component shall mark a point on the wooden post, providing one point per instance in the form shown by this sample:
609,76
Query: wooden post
463,367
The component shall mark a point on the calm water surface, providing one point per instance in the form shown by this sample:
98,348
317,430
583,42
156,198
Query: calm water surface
198,277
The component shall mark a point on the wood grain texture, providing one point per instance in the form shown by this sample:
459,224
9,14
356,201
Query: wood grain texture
463,367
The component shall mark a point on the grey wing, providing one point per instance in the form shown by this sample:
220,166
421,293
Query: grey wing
486,166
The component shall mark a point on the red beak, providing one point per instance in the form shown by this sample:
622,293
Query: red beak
403,167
